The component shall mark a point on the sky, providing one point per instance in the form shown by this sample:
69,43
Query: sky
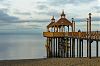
32,16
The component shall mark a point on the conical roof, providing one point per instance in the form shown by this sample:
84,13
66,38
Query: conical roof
63,21
52,22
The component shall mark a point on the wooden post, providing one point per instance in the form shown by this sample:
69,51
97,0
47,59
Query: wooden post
77,48
51,45
67,47
61,49
74,26
56,46
97,48
82,48
70,47
47,48
90,35
89,23
73,47
89,48
87,37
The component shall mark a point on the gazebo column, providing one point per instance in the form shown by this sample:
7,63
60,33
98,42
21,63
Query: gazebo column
62,29
57,28
68,28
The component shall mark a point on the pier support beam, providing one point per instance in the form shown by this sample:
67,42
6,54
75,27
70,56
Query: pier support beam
79,48
70,47
67,47
50,39
58,48
73,47
47,48
82,47
54,47
96,48
87,48
90,49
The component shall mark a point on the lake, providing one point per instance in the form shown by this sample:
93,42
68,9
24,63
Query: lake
21,46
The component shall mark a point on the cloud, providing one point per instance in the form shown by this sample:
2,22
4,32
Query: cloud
22,13
64,2
96,18
84,19
41,7
48,13
4,17
2,0
33,21
97,8
5,2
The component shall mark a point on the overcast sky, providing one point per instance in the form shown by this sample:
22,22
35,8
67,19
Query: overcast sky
32,16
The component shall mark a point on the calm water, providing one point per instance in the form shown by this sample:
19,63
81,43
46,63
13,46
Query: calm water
27,46
21,46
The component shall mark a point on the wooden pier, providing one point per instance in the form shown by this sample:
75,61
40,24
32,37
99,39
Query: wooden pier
61,41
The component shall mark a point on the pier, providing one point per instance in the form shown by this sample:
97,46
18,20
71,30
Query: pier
62,38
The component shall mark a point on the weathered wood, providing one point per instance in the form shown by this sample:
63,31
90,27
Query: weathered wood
82,35
60,47
96,48
77,48
73,47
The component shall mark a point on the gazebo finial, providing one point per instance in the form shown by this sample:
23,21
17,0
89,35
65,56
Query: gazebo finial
52,19
63,14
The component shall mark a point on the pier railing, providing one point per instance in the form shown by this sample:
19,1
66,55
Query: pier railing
82,35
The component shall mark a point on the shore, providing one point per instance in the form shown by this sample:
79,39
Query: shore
52,62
